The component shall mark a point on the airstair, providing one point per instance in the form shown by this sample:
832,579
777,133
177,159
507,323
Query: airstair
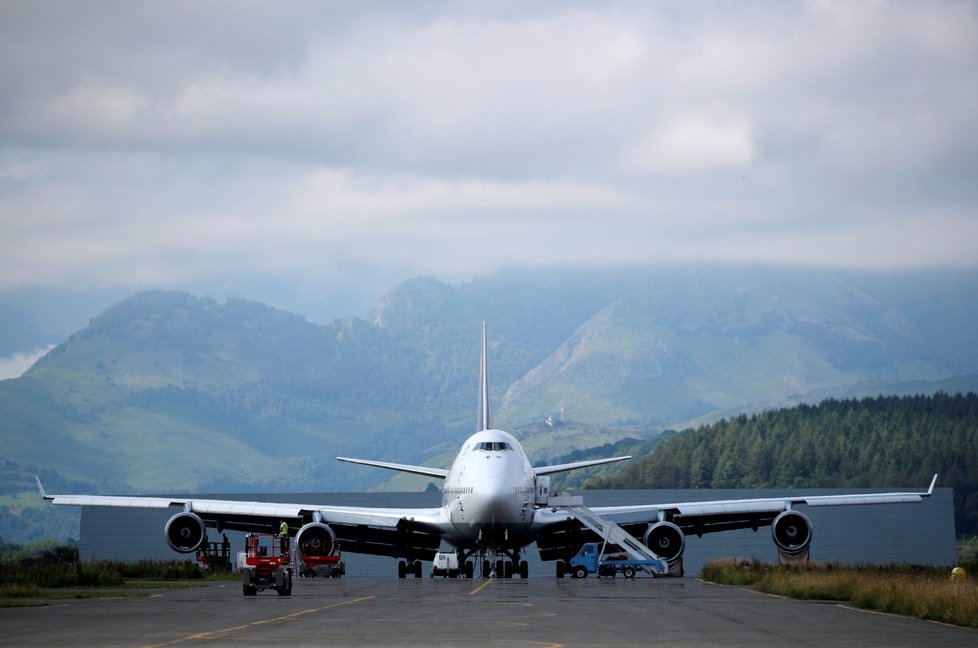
608,530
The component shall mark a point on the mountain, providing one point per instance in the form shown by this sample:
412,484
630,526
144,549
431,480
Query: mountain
167,391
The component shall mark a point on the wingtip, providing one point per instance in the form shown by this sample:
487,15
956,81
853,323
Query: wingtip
933,482
40,488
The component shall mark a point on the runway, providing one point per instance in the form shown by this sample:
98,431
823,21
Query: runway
438,612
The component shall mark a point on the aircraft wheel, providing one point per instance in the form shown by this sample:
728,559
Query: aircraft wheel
417,569
499,569
469,568
560,569
401,569
485,569
508,569
524,569
580,572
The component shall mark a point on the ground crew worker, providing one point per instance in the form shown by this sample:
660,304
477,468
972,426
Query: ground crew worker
283,531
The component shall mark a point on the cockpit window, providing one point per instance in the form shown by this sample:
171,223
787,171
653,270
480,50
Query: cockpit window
492,446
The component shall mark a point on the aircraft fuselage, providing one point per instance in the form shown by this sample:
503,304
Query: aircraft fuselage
488,494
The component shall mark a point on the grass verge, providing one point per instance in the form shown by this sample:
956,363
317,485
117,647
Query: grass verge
35,574
922,592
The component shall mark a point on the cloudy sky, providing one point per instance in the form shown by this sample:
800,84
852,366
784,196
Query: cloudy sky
322,145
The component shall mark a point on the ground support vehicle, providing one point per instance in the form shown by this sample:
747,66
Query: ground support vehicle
215,556
323,567
590,561
447,565
267,564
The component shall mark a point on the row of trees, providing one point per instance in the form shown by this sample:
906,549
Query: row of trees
887,441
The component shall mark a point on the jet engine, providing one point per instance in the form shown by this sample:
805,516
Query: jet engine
667,541
792,533
185,532
315,540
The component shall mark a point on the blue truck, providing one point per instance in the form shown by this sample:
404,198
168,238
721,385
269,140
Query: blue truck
590,561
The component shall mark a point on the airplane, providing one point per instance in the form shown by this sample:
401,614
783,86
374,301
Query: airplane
495,504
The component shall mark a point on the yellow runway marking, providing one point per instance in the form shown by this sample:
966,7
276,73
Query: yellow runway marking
479,588
213,634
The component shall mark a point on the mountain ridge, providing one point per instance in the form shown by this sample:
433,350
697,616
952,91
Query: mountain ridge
168,391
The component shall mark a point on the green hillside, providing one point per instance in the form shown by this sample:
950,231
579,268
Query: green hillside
887,441
167,391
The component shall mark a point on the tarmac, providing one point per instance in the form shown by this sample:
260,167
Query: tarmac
457,612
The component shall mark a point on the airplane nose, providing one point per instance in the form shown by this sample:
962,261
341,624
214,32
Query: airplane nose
495,497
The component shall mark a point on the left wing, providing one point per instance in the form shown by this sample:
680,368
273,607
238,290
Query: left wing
663,527
703,513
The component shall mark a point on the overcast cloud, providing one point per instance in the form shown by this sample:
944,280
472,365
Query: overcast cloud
181,143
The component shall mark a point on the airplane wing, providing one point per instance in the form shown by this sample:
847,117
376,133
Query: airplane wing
719,513
663,527
439,473
556,468
412,533
231,509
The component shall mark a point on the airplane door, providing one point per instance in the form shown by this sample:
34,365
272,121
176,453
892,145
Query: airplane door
542,489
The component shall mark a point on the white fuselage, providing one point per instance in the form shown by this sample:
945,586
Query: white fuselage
489,489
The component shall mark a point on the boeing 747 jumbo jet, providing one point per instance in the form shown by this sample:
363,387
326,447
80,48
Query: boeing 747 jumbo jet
494,504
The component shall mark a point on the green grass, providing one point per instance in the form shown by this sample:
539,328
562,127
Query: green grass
40,572
922,592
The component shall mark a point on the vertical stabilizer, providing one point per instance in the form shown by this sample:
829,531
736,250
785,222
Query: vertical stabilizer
485,417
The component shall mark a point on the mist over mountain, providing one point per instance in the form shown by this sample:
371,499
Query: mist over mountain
168,391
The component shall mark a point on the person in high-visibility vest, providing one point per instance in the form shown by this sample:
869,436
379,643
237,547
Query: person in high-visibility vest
283,532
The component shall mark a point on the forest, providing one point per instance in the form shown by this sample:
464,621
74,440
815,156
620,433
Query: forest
886,441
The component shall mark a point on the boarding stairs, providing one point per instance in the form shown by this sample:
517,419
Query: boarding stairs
608,530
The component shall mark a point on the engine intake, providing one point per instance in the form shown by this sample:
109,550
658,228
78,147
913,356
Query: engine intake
185,532
315,540
667,541
792,533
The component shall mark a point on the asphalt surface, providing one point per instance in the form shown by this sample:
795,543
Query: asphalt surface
440,612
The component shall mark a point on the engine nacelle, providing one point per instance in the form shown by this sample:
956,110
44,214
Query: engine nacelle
185,532
667,541
792,533
315,541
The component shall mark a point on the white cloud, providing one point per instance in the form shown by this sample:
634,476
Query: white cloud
691,145
15,365
156,148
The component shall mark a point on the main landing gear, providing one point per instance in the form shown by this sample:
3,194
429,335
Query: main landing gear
404,568
500,564
504,564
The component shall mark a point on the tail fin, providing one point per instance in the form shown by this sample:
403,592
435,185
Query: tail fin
485,417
